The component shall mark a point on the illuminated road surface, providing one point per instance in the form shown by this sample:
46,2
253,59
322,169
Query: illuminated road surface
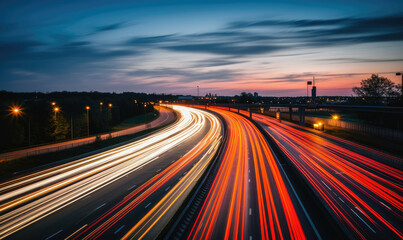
365,195
250,197
108,193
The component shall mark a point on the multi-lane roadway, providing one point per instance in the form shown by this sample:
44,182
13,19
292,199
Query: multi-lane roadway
135,190
106,194
251,197
363,193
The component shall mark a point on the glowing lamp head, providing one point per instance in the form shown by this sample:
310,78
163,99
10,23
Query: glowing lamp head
16,110
315,125
56,109
335,117
320,124
110,105
53,103
101,103
87,107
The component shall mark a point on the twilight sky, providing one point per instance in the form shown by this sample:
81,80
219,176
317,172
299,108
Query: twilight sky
225,47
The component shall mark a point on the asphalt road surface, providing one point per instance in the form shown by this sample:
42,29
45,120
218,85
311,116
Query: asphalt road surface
250,197
105,195
363,194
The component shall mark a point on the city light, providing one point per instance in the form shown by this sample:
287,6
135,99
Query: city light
335,117
110,105
101,103
87,107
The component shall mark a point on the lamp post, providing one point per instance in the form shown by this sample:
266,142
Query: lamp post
56,110
16,111
100,106
401,95
145,112
88,120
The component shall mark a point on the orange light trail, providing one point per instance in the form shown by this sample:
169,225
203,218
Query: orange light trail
248,178
364,194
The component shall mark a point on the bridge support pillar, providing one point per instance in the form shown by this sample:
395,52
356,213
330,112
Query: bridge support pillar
301,112
290,114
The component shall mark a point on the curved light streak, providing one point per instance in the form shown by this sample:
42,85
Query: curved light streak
365,195
226,212
47,191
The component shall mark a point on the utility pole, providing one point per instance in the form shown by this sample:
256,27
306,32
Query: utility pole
401,96
88,120
29,131
71,129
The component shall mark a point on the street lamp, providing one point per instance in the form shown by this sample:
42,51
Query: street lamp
53,103
335,117
56,110
16,111
100,106
88,120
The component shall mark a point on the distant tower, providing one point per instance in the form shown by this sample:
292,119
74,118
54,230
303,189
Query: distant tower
313,89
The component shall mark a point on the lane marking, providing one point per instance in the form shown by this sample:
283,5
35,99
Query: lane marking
250,237
158,170
54,234
100,206
341,199
249,180
326,185
76,232
166,189
362,220
386,205
130,188
250,211
119,229
147,205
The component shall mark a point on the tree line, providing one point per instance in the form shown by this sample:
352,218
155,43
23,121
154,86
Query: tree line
36,118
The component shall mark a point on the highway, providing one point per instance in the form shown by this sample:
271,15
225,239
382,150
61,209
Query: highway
251,197
362,193
106,194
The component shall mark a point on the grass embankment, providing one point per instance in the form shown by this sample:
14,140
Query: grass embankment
383,144
135,121
14,167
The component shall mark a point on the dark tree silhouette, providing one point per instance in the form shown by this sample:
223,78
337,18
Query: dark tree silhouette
377,87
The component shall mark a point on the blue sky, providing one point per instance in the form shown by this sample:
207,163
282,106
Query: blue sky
225,47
